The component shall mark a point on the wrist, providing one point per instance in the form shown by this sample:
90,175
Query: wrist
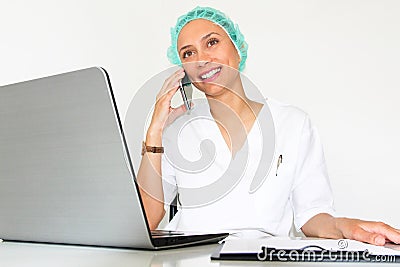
338,223
154,136
152,149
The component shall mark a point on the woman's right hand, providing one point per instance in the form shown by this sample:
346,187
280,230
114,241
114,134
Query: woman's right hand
164,114
150,173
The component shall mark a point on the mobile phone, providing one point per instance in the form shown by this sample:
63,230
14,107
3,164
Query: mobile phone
185,86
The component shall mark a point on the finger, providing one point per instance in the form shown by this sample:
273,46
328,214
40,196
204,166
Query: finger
169,90
392,235
174,79
173,75
176,113
172,82
373,238
385,230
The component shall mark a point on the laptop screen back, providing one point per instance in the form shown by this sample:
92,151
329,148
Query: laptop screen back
65,176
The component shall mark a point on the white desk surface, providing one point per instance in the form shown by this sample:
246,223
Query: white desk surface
43,255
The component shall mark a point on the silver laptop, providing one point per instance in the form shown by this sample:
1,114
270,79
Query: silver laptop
65,171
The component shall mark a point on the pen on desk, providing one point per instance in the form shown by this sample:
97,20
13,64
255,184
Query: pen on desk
277,164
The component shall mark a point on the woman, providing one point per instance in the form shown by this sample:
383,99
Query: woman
212,50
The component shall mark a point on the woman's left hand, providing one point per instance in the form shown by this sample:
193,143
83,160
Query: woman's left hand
376,233
326,226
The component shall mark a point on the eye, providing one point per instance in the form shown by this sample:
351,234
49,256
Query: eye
212,41
187,54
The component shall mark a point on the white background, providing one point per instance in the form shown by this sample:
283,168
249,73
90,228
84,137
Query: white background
337,60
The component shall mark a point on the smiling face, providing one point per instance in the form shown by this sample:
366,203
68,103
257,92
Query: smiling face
208,56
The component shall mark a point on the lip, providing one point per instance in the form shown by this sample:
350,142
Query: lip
212,78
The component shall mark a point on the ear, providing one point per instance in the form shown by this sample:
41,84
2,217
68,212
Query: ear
238,59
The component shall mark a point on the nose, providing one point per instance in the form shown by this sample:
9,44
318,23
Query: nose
203,59
202,63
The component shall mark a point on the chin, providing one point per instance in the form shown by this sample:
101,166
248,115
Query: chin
210,89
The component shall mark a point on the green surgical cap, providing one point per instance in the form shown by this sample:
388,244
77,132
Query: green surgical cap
218,18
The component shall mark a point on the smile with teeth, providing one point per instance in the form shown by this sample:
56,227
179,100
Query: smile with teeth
210,73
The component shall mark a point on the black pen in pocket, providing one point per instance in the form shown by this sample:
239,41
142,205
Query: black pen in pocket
278,163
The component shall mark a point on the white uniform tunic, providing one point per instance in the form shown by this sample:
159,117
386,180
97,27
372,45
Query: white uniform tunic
293,192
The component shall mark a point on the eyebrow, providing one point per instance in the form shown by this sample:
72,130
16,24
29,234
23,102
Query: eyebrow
202,39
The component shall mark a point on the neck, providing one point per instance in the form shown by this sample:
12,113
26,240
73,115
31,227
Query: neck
233,99
235,115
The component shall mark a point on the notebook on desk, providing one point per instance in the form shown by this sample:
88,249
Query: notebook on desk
65,171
